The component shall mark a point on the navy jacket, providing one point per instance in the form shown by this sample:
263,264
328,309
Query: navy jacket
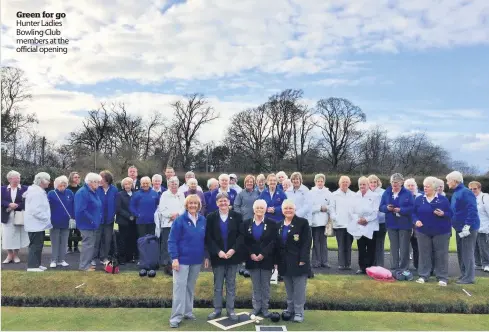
122,209
88,209
7,199
404,201
464,208
215,242
59,217
265,245
143,206
186,241
108,203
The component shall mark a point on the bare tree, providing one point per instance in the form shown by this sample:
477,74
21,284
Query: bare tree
302,136
374,151
190,115
338,120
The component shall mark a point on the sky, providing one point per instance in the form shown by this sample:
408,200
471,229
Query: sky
411,66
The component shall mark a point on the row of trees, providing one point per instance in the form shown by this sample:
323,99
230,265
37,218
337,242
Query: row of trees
282,133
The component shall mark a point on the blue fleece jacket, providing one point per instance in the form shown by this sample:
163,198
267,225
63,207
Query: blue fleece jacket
59,217
186,240
404,201
276,202
212,201
88,209
464,208
108,203
432,224
143,205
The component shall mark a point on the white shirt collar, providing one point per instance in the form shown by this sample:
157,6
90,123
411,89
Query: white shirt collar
18,186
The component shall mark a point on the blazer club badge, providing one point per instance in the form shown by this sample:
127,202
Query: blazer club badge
296,237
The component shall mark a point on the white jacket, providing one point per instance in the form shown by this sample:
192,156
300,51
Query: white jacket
483,209
301,200
319,197
169,204
379,191
236,187
340,208
37,215
366,206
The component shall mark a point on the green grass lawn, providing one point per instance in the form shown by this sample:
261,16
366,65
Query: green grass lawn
109,319
332,244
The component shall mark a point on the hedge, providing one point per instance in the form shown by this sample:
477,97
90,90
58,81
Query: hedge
325,292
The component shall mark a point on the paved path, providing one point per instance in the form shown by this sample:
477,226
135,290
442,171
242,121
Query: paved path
73,260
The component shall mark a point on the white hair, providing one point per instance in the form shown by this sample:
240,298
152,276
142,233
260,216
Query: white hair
192,180
59,180
125,180
189,173
431,181
288,202
223,176
211,181
455,176
281,173
440,183
319,176
41,177
411,181
157,177
173,179
145,179
260,202
12,174
92,177
397,177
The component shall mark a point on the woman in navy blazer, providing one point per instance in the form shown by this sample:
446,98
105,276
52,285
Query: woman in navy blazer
14,237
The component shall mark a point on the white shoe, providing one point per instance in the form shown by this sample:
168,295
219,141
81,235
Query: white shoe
63,263
93,263
486,268
420,281
43,268
52,265
442,283
35,269
16,260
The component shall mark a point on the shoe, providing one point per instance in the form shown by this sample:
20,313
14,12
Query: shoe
35,269
173,325
104,262
69,251
341,268
76,250
326,265
232,316
16,260
64,264
298,318
442,283
8,260
254,312
93,263
43,267
486,268
478,267
348,267
462,282
190,317
91,269
214,315
360,272
52,265
420,281
411,256
266,314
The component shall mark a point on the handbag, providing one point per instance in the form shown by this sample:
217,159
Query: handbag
19,218
329,230
71,222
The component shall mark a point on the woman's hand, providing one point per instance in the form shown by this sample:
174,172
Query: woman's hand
271,210
222,255
390,207
13,206
230,253
396,210
419,223
275,266
260,257
254,257
301,263
439,213
175,265
206,263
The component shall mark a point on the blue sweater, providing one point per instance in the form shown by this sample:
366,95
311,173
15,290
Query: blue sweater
212,206
404,201
143,205
108,203
464,209
276,202
432,224
88,209
186,241
59,216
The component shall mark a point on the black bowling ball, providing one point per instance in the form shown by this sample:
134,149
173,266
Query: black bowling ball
143,273
246,274
151,273
241,271
286,316
275,317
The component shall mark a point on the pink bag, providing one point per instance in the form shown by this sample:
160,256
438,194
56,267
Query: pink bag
380,273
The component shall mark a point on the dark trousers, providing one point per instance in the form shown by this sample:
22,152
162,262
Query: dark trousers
144,229
379,237
344,246
129,237
71,243
319,247
366,252
35,249
414,245
164,254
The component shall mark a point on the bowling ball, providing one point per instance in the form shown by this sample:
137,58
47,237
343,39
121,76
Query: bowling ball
286,316
143,273
151,273
275,317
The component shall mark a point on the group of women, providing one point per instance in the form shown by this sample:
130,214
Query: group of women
270,223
